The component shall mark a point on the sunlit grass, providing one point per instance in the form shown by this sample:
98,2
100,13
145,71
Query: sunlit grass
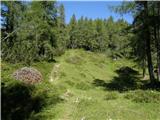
76,95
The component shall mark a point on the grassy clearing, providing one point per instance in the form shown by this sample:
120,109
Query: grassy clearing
86,89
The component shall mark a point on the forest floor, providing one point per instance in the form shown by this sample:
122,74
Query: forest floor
83,85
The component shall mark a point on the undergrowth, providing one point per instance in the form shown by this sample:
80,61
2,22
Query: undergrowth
141,96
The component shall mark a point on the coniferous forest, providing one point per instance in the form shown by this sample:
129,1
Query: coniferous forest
87,69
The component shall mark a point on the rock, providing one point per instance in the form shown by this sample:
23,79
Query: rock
28,75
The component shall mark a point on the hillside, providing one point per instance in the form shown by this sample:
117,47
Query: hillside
81,85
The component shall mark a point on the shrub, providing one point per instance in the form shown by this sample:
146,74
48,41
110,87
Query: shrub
111,95
17,95
141,96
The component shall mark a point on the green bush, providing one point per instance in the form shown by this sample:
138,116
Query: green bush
111,95
141,96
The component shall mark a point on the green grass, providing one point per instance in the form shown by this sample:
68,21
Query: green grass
80,90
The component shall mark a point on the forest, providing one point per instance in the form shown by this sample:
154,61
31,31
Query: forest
92,69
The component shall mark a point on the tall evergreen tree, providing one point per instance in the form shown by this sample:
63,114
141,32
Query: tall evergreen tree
30,37
72,32
62,32
12,14
146,17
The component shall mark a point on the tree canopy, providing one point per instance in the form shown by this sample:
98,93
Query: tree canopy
36,31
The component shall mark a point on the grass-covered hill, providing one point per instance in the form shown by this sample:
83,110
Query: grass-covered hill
80,85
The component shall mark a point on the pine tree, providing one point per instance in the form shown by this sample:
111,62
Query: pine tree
72,32
11,14
34,36
62,32
146,25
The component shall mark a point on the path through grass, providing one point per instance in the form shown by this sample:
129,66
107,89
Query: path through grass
83,100
83,85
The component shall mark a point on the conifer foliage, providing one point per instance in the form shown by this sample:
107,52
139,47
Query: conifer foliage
35,31
146,29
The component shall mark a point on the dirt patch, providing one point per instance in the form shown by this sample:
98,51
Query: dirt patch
55,73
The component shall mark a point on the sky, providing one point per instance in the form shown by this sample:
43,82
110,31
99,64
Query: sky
92,9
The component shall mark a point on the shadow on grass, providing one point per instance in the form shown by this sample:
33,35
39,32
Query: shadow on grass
52,60
127,79
19,102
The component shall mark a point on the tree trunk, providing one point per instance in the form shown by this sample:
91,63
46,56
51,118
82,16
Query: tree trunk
149,59
157,39
158,68
144,72
158,44
148,42
144,68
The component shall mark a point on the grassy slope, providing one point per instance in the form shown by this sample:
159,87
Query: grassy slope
74,81
87,101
